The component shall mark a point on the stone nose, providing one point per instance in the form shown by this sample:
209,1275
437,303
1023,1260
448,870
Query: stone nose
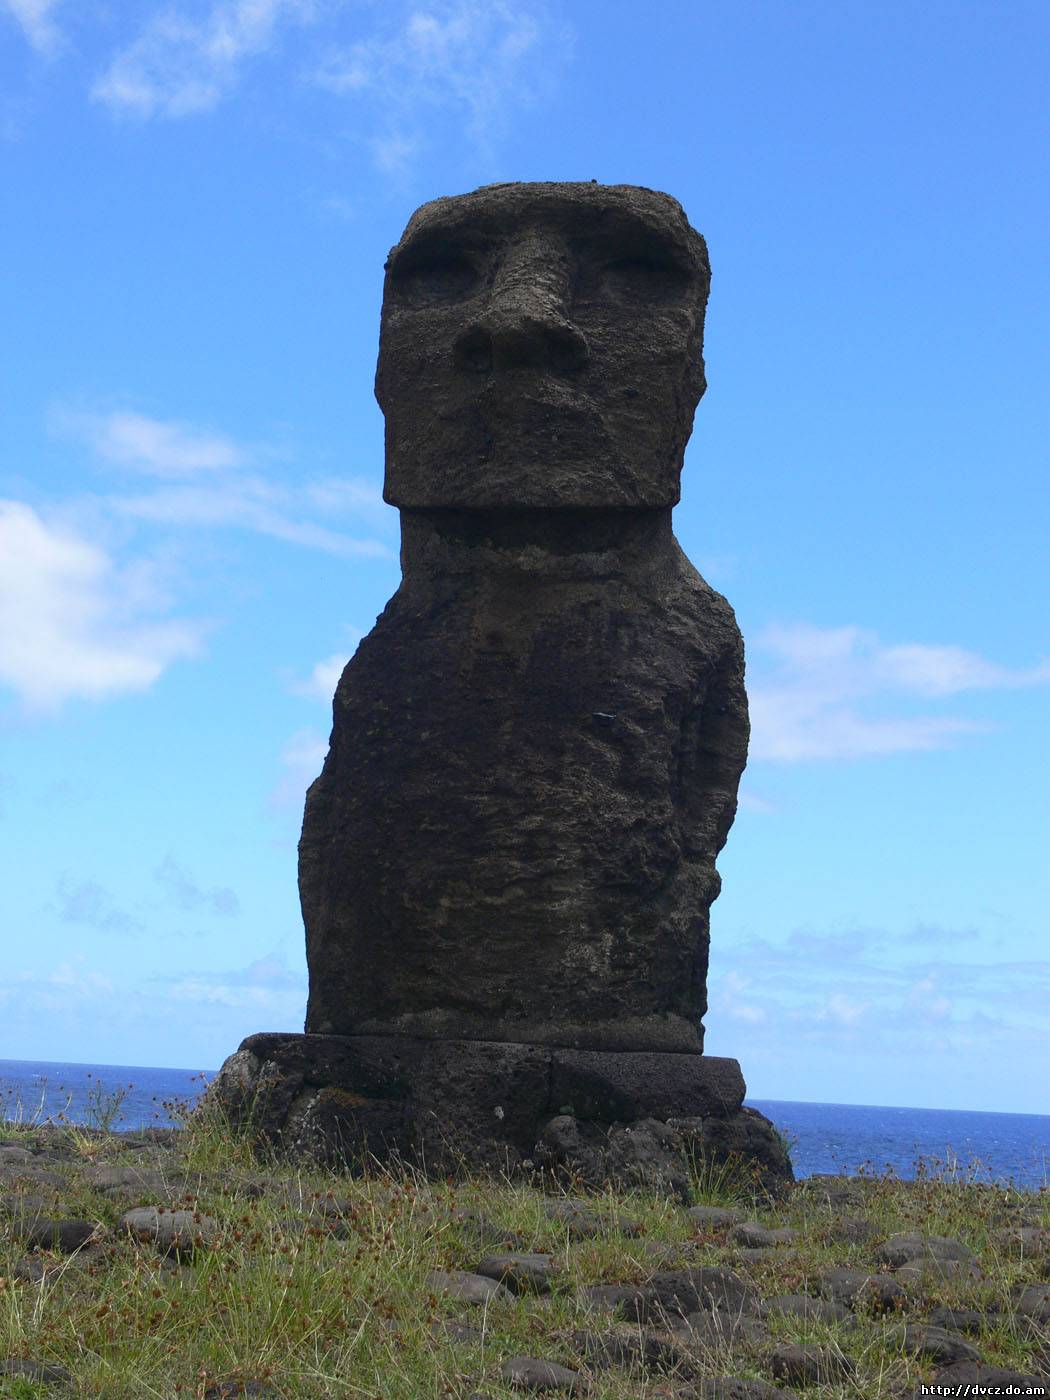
523,321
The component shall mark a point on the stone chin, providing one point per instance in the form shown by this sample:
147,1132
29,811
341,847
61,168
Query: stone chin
556,459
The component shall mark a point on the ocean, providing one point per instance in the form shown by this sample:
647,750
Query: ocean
824,1137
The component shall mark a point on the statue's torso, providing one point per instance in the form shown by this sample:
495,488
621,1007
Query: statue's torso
517,779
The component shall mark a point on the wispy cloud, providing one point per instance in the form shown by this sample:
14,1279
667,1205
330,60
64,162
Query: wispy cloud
36,20
267,984
150,445
211,479
320,684
87,902
301,761
178,65
69,986
183,891
474,58
815,692
850,986
248,503
73,623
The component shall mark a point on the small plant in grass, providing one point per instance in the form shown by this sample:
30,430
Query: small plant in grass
16,1118
723,1181
788,1141
103,1105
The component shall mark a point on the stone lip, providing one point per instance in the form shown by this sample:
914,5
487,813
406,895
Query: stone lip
495,1106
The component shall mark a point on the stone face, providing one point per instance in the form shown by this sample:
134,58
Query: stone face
535,753
541,346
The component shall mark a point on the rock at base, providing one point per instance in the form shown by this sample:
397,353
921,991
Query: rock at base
636,1119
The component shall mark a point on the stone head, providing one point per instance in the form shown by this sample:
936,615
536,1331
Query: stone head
541,346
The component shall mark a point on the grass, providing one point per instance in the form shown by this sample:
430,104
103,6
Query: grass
281,1297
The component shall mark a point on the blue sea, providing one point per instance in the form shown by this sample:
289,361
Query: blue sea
824,1137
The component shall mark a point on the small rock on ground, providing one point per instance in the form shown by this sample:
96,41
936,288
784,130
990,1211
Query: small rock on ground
809,1365
530,1373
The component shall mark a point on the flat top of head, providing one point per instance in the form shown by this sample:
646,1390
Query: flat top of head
622,212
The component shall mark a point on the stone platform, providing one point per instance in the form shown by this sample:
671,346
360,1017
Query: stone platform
459,1107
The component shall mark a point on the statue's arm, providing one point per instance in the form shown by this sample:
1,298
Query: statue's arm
713,750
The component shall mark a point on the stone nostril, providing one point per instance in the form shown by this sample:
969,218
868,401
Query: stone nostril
567,349
473,351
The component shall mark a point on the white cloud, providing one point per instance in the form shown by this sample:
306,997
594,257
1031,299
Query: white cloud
749,801
475,57
266,984
219,491
151,445
924,998
178,66
841,1010
347,493
323,679
302,759
69,623
68,986
246,503
813,687
947,670
727,998
35,20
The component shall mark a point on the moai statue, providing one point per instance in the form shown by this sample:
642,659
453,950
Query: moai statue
536,751
507,864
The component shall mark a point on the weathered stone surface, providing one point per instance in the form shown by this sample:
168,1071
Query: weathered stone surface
491,1106
809,1365
67,1236
466,1287
508,861
37,1372
939,1344
755,1236
521,1273
746,1137
629,1348
714,1217
807,1309
678,1292
535,753
862,1288
177,1232
738,1388
912,1247
533,1373
717,1329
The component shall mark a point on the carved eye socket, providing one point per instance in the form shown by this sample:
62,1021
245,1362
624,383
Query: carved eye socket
436,277
642,279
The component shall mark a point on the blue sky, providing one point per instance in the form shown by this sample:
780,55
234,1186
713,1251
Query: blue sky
198,200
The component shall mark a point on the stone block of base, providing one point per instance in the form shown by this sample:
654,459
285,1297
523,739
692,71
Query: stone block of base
479,1107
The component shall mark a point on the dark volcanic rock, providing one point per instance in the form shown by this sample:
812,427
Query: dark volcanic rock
809,1365
491,1104
36,1372
861,1288
939,1344
508,861
67,1236
913,1248
535,753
